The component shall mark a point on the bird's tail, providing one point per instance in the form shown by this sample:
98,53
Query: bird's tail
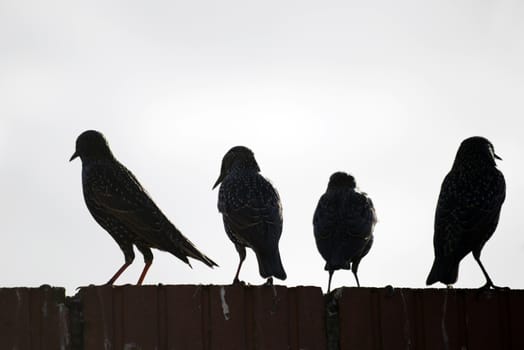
444,271
193,252
184,248
270,264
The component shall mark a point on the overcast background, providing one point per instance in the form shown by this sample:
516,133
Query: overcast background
384,90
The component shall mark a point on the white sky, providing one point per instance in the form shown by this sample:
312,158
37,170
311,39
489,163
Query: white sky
385,91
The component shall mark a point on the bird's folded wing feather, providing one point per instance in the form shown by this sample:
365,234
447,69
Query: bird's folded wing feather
325,218
122,196
462,210
359,216
255,217
353,215
246,217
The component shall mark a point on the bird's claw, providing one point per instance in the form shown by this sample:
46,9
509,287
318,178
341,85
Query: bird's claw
489,286
236,281
390,290
269,282
82,287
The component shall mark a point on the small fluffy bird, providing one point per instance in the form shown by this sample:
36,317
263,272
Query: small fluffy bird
343,225
468,210
251,211
123,208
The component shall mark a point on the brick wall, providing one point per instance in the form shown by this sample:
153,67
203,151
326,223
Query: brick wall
259,317
33,318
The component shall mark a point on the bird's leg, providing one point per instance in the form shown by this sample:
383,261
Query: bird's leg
354,269
118,273
329,281
269,282
356,277
129,256
489,283
148,260
236,280
242,254
144,272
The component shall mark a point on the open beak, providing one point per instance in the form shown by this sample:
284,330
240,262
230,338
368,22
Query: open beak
73,156
497,157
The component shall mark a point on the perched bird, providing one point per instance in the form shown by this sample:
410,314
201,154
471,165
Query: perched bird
123,208
468,210
343,225
251,211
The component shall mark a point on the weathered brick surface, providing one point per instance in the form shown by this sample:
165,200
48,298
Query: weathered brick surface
203,317
33,319
259,317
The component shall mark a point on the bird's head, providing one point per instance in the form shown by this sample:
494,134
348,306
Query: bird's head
476,150
91,144
238,157
341,180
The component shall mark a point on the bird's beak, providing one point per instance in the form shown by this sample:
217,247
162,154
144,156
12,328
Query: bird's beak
497,157
73,156
219,180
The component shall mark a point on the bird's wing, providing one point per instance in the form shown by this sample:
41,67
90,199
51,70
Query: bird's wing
467,211
347,214
358,215
119,194
343,224
325,223
255,214
325,218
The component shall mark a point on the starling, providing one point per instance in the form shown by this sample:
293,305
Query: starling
343,225
251,211
123,208
468,210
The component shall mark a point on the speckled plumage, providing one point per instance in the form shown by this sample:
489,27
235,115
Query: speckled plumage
468,209
123,208
251,211
343,225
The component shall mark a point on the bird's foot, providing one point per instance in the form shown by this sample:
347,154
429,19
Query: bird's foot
390,290
490,285
269,282
236,281
485,290
82,287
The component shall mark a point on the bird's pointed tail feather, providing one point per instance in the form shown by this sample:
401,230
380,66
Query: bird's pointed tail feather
270,264
184,248
443,271
194,253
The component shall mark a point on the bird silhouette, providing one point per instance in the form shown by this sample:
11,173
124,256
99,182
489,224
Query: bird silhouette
118,202
343,225
468,210
251,211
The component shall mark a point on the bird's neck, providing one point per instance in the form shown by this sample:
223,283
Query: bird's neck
338,189
98,159
244,167
473,166
476,160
